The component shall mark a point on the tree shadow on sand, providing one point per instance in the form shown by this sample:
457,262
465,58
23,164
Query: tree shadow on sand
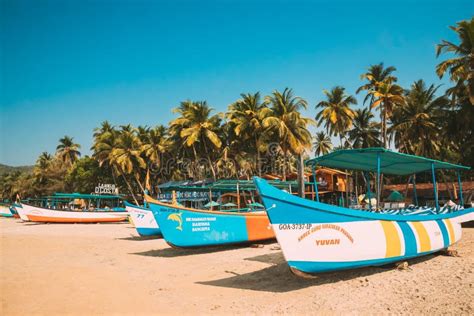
181,252
278,278
173,251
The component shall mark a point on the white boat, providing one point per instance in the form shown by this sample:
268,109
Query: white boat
40,214
143,220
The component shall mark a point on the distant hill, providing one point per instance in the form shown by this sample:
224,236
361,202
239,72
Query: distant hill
7,169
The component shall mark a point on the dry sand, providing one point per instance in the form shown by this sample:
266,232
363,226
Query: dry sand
103,269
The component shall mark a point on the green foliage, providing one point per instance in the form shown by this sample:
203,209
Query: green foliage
85,174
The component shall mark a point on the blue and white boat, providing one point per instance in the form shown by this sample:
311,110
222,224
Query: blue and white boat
318,237
143,220
187,227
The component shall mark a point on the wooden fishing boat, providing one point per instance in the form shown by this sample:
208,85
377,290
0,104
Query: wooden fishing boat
22,213
187,227
5,211
14,211
40,214
143,220
318,237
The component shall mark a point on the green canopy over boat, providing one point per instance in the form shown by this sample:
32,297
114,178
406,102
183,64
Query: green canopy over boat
391,162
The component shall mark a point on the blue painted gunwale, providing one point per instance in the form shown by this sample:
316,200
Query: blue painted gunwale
136,206
301,211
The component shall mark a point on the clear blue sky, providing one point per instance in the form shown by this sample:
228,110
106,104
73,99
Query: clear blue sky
65,66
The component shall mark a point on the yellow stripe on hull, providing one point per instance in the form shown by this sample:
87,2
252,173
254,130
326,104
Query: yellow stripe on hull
450,231
392,238
423,237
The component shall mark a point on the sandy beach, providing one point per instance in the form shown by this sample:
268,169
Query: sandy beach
104,269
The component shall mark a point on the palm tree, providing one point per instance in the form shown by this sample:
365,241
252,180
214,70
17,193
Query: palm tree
322,144
365,132
246,116
104,140
336,113
126,155
197,126
286,124
418,124
42,164
386,96
154,146
374,75
461,67
67,150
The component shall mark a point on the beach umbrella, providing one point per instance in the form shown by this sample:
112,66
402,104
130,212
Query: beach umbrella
211,204
230,204
395,196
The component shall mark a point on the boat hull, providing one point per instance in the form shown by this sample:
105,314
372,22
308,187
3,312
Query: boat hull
38,214
5,211
317,237
184,227
22,213
143,220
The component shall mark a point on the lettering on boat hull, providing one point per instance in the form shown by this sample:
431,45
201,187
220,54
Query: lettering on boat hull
327,242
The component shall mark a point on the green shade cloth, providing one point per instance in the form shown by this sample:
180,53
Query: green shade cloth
390,162
395,196
230,204
212,203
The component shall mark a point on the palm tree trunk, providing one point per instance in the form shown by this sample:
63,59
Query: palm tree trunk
209,160
257,163
195,167
139,183
384,126
129,186
284,166
301,188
